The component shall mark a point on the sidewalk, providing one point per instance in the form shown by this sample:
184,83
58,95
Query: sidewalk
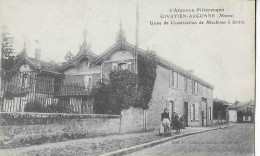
101,145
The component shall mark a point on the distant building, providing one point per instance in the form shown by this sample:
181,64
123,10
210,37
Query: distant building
232,115
245,111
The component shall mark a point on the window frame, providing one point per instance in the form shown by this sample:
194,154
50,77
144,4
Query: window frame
174,78
185,84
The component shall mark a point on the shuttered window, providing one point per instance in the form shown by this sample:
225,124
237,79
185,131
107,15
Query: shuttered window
173,79
194,87
196,112
185,84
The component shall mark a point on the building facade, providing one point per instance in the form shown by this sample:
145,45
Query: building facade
175,88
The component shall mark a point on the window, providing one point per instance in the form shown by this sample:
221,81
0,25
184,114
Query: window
88,82
129,66
24,78
185,84
122,66
173,79
195,87
194,112
114,66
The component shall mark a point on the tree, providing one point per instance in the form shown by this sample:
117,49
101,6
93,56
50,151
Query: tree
7,51
68,56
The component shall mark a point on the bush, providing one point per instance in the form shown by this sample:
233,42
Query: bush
121,91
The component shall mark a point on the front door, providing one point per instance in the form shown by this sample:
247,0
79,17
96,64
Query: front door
186,113
204,112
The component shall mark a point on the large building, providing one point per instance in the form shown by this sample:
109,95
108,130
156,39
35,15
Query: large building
175,88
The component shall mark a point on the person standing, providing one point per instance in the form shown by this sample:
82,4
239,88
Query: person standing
166,120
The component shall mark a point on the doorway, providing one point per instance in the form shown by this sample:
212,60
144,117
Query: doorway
204,112
186,113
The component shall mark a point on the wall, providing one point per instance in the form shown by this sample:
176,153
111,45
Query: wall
163,93
232,115
132,120
40,125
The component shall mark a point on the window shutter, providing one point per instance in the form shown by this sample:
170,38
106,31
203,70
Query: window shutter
129,66
191,110
170,77
196,112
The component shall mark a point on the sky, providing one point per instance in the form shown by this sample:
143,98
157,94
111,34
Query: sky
223,55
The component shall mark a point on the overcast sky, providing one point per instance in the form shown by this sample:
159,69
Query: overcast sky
220,54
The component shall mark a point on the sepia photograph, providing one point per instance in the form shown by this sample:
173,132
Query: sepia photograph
133,78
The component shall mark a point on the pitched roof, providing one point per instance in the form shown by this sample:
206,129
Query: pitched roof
223,102
122,45
84,52
74,62
38,65
240,105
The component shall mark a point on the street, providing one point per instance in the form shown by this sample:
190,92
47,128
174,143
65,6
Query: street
236,140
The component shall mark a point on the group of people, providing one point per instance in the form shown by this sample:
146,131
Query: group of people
171,123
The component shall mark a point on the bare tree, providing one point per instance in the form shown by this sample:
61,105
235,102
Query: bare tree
68,56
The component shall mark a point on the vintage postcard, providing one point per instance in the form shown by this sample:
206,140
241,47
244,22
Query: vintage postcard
141,77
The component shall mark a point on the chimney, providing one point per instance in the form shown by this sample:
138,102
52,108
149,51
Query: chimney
37,51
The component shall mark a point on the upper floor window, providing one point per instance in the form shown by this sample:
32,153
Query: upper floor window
88,82
24,80
129,66
122,66
195,87
114,66
185,84
173,79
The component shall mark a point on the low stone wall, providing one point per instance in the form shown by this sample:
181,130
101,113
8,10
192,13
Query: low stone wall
35,128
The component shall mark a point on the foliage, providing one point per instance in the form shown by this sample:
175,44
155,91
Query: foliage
7,52
118,94
147,65
121,90
219,110
101,98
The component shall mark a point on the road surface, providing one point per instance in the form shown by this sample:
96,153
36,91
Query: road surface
236,140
